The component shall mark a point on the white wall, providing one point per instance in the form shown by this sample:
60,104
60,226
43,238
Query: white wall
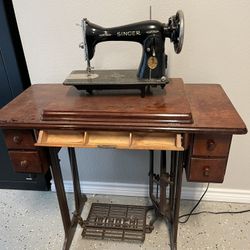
216,50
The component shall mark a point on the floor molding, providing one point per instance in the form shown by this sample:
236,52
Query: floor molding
128,189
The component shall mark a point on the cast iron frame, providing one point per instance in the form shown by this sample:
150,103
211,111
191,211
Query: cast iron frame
168,210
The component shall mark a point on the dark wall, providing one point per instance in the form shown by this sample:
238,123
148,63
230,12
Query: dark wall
14,79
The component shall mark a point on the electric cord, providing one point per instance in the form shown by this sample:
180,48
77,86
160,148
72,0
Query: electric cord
207,212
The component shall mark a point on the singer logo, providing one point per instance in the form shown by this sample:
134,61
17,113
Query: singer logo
129,33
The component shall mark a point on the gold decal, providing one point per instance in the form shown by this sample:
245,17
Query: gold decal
152,62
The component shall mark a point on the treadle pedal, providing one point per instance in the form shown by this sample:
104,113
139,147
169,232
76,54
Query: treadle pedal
116,222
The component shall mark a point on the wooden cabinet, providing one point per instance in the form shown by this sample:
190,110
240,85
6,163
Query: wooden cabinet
208,157
25,157
197,118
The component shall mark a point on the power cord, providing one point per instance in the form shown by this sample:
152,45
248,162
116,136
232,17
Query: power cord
207,212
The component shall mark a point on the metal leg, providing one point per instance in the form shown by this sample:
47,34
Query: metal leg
61,195
151,172
68,223
151,181
151,188
163,184
176,199
168,211
80,198
172,179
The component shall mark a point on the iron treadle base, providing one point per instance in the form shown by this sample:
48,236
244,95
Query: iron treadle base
116,222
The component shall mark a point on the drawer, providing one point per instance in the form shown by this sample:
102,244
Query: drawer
110,139
211,145
207,170
19,139
28,161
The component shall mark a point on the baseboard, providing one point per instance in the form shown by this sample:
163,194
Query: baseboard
128,189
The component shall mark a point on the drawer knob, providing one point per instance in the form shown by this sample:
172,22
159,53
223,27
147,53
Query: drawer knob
206,171
24,164
17,139
211,145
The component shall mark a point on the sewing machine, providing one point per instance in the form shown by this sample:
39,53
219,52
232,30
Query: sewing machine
150,34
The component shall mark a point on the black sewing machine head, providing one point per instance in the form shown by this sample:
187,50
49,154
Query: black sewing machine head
150,34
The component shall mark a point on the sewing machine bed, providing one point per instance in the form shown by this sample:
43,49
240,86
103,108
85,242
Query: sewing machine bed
111,79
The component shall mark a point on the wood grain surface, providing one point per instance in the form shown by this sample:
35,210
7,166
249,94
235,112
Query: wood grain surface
211,109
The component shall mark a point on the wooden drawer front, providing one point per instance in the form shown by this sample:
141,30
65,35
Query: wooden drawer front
207,170
110,139
211,145
19,139
26,161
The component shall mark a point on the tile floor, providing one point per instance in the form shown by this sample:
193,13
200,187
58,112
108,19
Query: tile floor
31,220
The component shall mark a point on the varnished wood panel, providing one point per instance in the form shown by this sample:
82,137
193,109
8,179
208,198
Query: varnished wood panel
212,110
19,139
165,106
210,107
211,145
107,139
26,161
207,170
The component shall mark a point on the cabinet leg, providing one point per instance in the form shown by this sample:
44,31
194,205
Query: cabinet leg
68,223
80,198
169,211
175,194
61,195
